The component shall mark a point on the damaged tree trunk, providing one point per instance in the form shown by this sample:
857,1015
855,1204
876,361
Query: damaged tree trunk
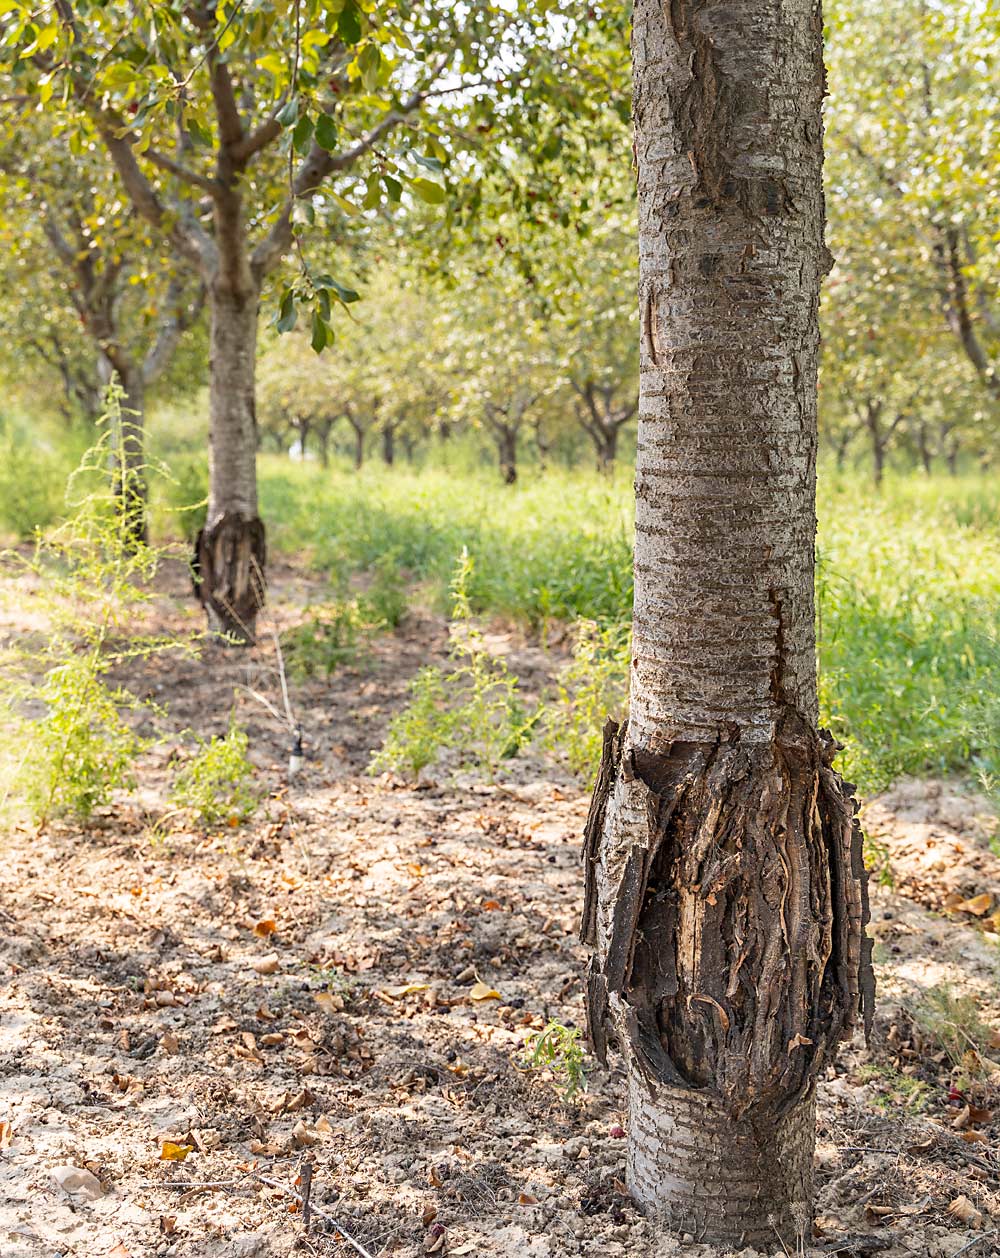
230,550
726,893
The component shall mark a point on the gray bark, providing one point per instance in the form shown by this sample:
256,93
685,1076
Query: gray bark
230,550
725,886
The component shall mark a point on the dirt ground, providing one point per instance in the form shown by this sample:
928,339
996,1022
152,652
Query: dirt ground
339,991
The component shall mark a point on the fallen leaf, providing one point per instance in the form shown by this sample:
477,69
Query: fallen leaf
272,1039
6,1135
975,1137
526,1199
303,1137
329,1002
979,905
491,906
169,1042
963,1210
171,1152
168,1224
267,926
433,1178
429,1214
483,991
406,989
119,1251
980,1115
265,965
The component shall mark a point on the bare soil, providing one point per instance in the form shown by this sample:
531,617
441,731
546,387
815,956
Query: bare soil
341,989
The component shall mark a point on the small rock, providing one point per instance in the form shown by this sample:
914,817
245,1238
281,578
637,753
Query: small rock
78,1182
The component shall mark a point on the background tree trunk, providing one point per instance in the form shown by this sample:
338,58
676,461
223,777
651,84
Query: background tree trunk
388,445
507,452
725,890
230,550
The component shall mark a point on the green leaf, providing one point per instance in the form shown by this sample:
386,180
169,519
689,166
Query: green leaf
322,333
393,187
426,190
429,163
287,313
369,61
288,114
326,132
302,134
349,23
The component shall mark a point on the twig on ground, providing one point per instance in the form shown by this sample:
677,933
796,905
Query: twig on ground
973,1243
306,1179
327,1218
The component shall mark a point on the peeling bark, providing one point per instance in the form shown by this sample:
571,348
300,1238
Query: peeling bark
725,889
229,566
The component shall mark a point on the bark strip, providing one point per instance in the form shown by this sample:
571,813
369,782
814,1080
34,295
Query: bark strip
733,954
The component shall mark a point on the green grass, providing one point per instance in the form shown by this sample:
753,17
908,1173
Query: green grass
909,583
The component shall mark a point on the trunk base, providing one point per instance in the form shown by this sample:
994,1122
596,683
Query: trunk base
694,1169
229,560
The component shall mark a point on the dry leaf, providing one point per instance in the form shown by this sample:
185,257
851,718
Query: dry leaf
168,1224
266,965
303,1137
491,906
266,927
429,1214
6,1134
272,1039
406,989
963,1210
433,1178
980,1115
961,1119
979,905
975,1137
169,1042
329,1002
526,1199
171,1152
483,991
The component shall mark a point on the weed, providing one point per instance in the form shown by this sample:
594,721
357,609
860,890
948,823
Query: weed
422,729
217,782
952,1025
473,708
558,1048
895,1090
588,690
85,581
332,636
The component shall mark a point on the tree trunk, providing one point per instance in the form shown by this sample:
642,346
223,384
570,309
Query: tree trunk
359,447
607,449
725,892
388,445
230,551
924,448
507,451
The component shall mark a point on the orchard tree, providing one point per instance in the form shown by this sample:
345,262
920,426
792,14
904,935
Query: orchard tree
233,127
74,228
726,893
915,158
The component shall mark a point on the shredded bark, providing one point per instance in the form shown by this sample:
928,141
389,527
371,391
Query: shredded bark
737,957
228,567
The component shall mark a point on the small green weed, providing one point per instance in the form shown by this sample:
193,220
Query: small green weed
335,634
558,1048
952,1025
66,742
588,690
894,1089
217,782
473,708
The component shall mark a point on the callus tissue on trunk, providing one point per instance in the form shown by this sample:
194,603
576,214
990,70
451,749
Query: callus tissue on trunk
726,893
